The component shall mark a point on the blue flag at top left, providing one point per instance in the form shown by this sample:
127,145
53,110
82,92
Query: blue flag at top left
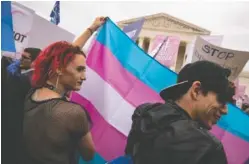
7,37
55,13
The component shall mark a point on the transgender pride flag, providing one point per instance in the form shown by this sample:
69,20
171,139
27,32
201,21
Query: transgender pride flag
121,76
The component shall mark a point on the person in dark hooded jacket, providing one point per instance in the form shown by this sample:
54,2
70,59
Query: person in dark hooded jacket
177,131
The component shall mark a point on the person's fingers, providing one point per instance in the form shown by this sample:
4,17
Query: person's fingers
102,18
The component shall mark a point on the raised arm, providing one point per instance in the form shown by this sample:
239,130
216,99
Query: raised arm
82,39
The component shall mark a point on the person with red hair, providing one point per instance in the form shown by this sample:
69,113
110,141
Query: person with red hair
55,130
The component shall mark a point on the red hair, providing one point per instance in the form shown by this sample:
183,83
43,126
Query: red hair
56,55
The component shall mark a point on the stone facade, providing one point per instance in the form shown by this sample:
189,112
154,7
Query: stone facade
164,24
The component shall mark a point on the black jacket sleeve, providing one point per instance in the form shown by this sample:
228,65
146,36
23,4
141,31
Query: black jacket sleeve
216,155
176,139
186,142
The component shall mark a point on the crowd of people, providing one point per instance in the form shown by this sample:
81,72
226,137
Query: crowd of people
40,125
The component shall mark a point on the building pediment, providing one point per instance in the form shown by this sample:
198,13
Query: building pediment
165,22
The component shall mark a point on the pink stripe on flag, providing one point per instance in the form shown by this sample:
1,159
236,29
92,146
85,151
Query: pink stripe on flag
101,60
109,143
236,149
105,64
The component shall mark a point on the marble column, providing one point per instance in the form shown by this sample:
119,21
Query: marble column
141,42
151,44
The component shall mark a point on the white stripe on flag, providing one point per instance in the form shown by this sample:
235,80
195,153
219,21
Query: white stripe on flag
109,103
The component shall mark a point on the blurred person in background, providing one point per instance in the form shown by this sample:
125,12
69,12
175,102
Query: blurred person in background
15,85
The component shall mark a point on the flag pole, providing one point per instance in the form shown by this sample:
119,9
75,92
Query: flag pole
159,48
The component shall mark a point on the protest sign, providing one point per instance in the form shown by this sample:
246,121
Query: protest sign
156,44
232,59
168,53
133,29
22,24
214,39
31,30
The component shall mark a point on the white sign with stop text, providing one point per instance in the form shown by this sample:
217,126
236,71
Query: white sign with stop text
234,60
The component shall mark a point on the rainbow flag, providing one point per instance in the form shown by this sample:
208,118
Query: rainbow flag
121,76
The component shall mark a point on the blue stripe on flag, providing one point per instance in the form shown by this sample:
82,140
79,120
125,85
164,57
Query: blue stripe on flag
134,59
156,76
236,122
97,160
7,38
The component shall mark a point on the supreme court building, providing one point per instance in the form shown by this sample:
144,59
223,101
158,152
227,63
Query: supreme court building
164,24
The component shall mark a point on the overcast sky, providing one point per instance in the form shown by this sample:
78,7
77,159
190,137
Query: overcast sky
230,19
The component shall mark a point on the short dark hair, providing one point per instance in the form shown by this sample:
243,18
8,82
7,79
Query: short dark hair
212,76
34,52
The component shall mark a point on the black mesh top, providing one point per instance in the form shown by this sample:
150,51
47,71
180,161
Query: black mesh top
52,130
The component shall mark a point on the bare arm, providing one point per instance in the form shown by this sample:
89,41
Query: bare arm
86,147
82,39
78,124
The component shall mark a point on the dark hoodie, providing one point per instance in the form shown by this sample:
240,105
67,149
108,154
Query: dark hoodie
166,134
